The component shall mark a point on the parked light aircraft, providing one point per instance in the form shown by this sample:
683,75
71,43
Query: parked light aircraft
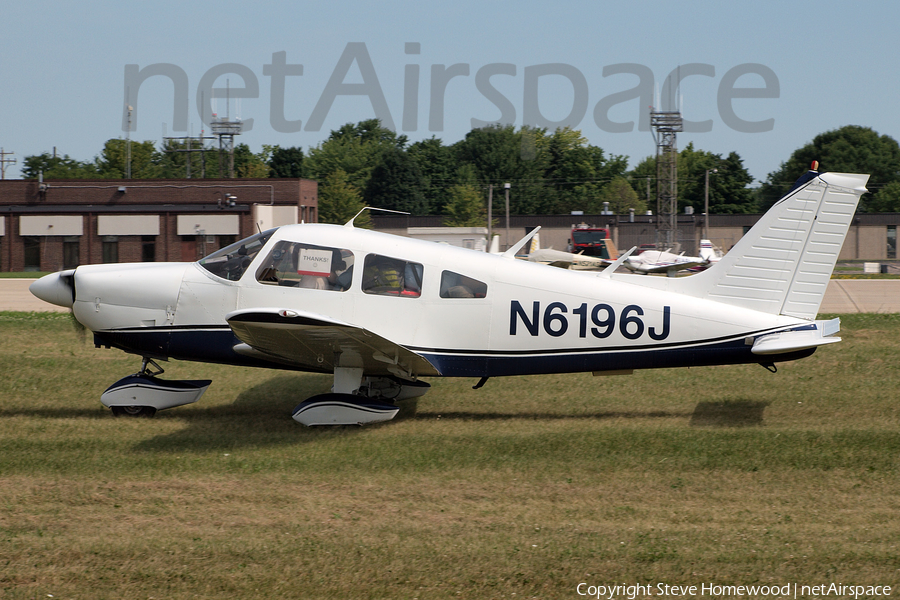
380,311
570,260
660,261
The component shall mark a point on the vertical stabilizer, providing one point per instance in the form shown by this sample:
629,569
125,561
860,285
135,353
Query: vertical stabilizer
783,264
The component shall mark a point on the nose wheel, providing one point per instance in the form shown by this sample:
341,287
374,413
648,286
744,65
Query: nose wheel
143,394
149,368
133,411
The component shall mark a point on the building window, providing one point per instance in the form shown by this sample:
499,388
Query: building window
148,248
32,253
110,249
71,252
892,241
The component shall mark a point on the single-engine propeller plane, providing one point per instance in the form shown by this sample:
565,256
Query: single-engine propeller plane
662,261
380,311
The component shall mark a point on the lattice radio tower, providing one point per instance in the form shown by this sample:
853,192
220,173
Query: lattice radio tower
226,128
665,125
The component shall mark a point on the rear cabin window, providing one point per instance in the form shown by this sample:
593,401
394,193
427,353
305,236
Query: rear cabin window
455,285
387,276
292,264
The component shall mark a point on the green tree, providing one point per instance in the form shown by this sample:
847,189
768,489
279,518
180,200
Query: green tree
849,149
57,167
643,179
438,166
174,157
621,196
396,184
145,160
465,206
286,162
339,200
354,149
728,181
500,154
576,171
250,164
887,199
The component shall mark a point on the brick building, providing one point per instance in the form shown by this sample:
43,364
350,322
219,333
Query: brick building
872,237
63,223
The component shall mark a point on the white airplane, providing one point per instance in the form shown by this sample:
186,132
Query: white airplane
657,261
569,260
379,311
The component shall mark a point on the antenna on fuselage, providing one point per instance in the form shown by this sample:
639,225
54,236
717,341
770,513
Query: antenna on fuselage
350,222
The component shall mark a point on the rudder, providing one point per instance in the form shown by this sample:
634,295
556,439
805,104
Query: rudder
783,264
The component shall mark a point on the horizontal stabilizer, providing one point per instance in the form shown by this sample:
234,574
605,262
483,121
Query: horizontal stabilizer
818,334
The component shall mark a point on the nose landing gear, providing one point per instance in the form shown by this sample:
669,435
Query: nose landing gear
142,394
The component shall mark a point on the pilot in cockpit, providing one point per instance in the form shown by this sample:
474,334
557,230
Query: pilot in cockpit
293,264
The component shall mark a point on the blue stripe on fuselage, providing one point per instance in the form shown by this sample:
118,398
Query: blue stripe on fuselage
215,344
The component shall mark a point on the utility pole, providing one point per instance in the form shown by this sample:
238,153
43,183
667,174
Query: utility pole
506,186
5,161
490,213
706,203
128,145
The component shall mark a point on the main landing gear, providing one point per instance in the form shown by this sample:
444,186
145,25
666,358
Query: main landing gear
142,394
357,400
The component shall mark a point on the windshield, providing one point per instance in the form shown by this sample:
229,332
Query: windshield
588,236
232,261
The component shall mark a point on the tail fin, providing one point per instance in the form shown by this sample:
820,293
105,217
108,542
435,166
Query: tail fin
611,249
707,252
783,264
535,244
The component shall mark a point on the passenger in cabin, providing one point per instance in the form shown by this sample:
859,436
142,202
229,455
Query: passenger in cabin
293,264
382,276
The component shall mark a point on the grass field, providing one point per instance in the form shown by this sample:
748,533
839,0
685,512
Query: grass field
522,489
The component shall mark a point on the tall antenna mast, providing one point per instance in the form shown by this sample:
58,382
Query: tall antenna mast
5,161
226,129
128,137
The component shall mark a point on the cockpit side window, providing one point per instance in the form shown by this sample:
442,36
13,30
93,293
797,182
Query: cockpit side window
387,276
293,264
455,285
232,261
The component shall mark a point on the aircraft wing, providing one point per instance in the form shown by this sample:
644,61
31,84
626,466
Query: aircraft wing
567,260
666,267
318,343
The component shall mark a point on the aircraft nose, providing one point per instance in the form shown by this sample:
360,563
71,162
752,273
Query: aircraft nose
56,288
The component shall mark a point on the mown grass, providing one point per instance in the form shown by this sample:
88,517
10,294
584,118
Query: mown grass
524,488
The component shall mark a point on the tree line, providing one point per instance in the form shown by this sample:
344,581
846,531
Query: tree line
365,164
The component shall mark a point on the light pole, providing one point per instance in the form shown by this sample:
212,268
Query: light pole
706,204
506,186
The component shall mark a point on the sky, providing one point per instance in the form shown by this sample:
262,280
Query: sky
760,79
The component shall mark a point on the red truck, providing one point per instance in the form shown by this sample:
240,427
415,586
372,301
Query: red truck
591,241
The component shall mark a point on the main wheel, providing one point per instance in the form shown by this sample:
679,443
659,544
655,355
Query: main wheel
133,411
